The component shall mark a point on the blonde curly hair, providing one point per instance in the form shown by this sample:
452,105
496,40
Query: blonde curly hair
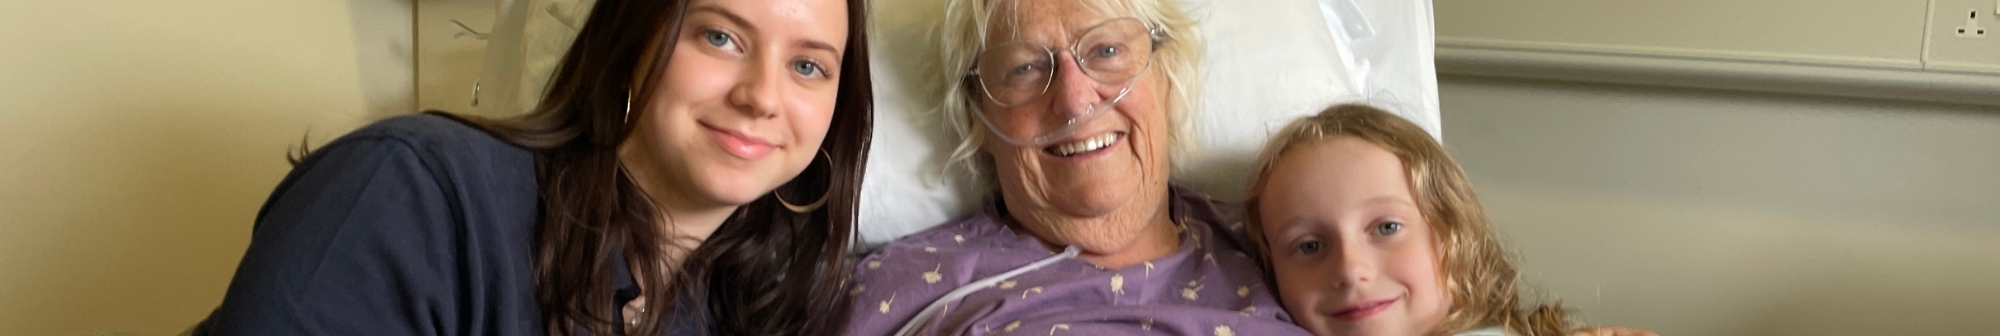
1479,275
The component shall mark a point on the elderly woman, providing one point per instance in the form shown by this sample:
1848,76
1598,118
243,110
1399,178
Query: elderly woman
1073,110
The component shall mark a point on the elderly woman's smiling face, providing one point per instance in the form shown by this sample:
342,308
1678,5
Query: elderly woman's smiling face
1101,185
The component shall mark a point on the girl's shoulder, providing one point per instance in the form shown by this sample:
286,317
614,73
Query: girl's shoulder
434,136
467,162
382,232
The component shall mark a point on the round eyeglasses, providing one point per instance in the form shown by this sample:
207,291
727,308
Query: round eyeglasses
1014,73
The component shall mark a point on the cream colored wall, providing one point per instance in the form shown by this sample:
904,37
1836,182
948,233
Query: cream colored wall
1715,213
448,58
1861,31
140,138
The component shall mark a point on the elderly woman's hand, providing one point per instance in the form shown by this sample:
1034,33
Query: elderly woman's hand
1614,331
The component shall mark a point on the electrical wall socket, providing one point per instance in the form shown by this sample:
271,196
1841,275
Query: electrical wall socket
1971,29
1963,36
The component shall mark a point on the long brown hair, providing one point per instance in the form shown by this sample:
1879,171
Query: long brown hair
765,271
1479,274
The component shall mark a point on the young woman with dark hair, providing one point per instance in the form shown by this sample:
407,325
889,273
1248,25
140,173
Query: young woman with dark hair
694,169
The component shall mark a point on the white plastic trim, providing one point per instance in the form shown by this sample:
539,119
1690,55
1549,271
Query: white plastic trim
1709,69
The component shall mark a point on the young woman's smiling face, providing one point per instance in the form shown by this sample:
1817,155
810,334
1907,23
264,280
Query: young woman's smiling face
745,99
1351,252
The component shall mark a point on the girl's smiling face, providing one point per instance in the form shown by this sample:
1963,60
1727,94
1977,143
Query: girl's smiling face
744,102
1351,252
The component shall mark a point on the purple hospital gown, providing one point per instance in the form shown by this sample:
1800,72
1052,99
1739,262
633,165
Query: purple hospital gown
1207,287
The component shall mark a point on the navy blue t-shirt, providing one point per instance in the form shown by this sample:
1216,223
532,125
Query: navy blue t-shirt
415,225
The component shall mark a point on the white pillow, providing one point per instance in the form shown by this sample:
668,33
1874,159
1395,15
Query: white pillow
1268,62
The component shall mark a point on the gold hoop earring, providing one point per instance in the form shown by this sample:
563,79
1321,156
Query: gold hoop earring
815,205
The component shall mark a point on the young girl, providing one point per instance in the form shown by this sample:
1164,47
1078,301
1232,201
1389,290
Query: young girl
1369,228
